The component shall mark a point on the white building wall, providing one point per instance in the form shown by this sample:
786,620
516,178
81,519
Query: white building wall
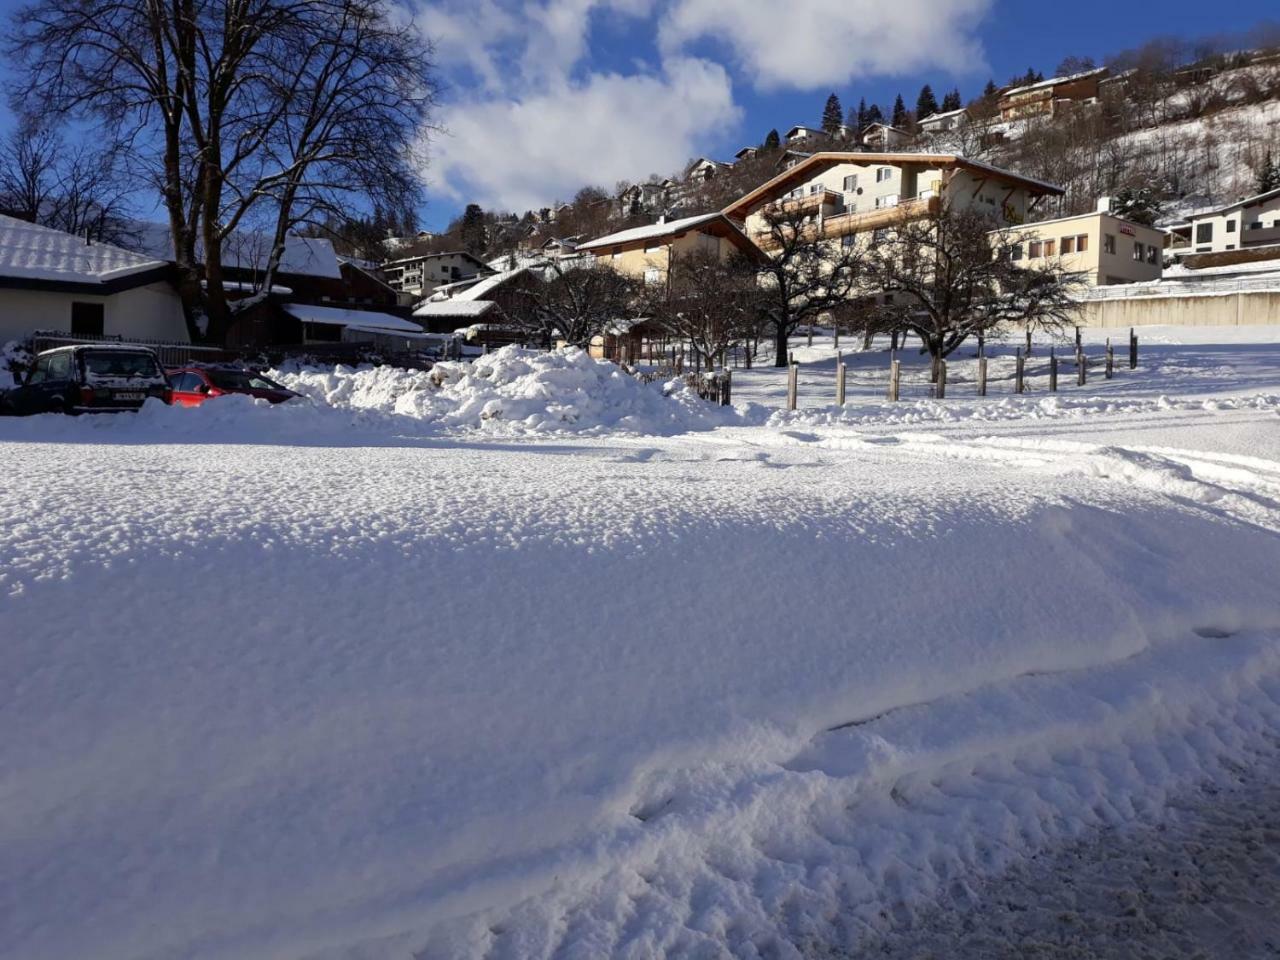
1230,230
153,311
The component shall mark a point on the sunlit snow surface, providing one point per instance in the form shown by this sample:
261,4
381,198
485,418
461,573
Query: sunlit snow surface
550,664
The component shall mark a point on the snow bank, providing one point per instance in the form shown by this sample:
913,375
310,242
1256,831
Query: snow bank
514,390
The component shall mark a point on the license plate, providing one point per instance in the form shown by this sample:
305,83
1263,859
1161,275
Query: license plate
128,395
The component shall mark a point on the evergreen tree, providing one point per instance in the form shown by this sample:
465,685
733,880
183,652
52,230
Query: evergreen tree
990,90
1269,175
832,116
899,112
926,103
952,101
862,115
471,231
1139,204
874,115
772,141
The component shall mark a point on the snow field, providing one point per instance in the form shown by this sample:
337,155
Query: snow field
354,678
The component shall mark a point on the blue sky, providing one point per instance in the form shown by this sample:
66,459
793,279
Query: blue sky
545,96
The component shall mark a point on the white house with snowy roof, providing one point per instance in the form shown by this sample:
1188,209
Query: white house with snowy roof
50,280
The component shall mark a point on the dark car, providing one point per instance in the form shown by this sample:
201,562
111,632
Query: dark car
89,378
194,385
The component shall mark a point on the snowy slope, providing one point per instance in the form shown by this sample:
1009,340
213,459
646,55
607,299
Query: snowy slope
345,689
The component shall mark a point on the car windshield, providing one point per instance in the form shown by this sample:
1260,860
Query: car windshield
240,380
121,363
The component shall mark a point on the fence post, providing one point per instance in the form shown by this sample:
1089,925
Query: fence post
1019,384
1028,350
839,380
809,339
1133,349
942,379
893,341
837,337
1111,360
1082,367
895,376
727,397
1077,339
1053,371
982,376
793,370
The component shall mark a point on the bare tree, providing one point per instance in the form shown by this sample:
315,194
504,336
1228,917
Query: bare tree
806,274
76,188
708,300
955,274
576,302
246,114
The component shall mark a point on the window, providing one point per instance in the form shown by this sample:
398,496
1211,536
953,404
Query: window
1068,245
1137,251
1035,250
86,319
851,183
40,372
883,173
60,366
1108,243
1153,255
1082,243
1015,252
1256,225
1231,226
848,240
888,201
1204,233
652,275
815,188
1050,248
879,236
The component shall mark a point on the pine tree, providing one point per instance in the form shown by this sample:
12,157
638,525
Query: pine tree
862,115
952,101
772,141
899,112
1269,175
832,116
874,115
926,103
990,90
471,232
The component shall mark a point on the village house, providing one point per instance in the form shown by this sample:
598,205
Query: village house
1048,97
50,280
937,123
746,153
647,252
801,131
881,136
704,169
1248,223
1101,248
419,275
852,196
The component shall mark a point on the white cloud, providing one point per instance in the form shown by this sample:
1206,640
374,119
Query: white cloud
522,151
804,44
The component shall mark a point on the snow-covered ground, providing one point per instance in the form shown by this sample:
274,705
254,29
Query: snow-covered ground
539,662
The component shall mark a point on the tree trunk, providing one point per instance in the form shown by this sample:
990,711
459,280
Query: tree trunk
780,342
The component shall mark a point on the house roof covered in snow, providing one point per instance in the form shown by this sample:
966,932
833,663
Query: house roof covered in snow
249,250
939,117
32,255
652,232
468,309
1052,82
357,319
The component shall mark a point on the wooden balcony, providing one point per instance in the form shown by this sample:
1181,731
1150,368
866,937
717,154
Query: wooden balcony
842,224
811,203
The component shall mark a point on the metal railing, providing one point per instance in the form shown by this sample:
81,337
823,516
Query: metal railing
172,353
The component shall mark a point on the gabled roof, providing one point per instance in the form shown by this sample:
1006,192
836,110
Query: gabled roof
36,254
1052,82
934,117
1238,205
248,250
716,224
434,256
812,128
884,126
775,187
466,309
357,319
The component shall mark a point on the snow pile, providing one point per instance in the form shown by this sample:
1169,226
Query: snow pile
14,355
514,391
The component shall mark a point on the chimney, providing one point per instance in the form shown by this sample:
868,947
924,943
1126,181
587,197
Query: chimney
1104,205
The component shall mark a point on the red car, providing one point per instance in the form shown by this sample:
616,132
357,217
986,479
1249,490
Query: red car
192,386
